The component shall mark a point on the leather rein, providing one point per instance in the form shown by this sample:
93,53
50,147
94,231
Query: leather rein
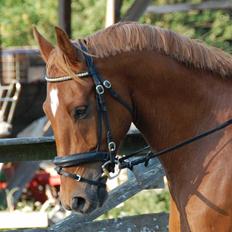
109,158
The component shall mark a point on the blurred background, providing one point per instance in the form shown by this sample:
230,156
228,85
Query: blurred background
210,25
23,90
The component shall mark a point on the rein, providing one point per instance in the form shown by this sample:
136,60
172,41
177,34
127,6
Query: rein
130,164
108,158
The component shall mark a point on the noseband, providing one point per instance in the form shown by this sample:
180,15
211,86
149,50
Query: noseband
108,158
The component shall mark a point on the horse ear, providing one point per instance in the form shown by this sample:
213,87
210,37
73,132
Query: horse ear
45,47
64,43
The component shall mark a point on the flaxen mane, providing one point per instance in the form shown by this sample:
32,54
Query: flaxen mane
124,37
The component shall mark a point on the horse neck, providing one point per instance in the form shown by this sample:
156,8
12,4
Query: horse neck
174,102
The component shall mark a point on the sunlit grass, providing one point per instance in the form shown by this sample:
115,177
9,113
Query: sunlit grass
147,201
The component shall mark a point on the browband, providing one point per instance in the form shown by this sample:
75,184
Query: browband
66,78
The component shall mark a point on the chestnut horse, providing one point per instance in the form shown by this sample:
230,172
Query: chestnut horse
176,88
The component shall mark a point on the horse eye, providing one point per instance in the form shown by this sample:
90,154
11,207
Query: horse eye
80,112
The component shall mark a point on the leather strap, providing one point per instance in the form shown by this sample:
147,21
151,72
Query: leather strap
81,158
80,178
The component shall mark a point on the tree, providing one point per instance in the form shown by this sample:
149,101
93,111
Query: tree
88,16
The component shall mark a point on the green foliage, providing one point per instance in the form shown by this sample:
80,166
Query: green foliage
212,27
18,16
88,16
147,201
3,204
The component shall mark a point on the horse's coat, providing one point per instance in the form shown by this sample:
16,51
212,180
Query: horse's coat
176,89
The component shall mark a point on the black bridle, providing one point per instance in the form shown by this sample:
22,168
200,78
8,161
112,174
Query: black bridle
109,158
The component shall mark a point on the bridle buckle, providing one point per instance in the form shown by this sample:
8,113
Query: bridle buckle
107,84
112,146
100,89
77,177
107,173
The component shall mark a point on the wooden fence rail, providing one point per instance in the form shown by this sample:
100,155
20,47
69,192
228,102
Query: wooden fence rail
139,223
24,149
43,148
208,5
151,178
27,149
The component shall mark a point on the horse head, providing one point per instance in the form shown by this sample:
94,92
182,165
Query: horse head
87,126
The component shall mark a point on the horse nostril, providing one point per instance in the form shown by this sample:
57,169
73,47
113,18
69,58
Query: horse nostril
78,203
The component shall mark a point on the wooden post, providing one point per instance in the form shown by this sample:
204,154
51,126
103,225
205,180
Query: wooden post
110,13
118,6
185,7
65,15
113,8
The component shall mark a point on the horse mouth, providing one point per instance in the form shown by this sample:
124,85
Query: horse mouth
91,202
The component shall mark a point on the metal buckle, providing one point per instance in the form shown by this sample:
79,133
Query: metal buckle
58,170
108,174
99,89
112,146
77,177
107,84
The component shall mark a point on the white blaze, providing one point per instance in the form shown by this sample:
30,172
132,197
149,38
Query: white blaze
54,100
